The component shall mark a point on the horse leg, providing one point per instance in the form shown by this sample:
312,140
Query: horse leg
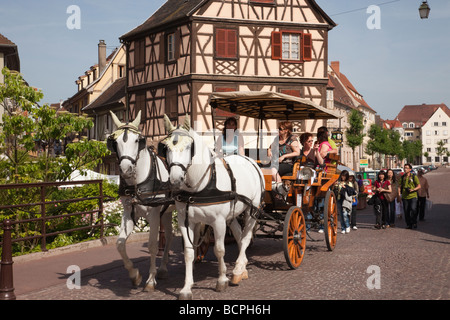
240,270
219,250
186,293
126,227
153,221
236,230
167,223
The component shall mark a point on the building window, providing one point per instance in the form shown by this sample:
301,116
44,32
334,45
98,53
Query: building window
445,133
226,43
408,134
444,124
411,125
428,149
139,54
291,46
171,47
140,104
436,124
171,102
436,132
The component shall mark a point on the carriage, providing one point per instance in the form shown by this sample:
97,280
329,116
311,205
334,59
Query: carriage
310,204
207,190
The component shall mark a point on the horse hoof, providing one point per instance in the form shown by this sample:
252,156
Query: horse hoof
185,296
221,286
238,277
149,287
162,274
136,281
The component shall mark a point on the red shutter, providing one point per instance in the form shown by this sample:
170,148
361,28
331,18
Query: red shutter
307,47
226,43
221,42
231,44
276,45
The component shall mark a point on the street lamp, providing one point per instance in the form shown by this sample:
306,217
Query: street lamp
424,10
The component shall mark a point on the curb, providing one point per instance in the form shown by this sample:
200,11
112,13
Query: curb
135,237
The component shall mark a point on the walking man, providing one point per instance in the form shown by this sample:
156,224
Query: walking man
408,186
423,194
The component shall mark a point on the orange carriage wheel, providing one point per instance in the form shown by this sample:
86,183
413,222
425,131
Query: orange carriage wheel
330,217
294,237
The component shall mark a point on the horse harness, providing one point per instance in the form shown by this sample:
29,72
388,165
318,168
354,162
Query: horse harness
145,193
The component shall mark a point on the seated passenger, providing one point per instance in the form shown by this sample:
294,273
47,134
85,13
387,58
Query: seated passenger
312,154
231,141
325,147
288,151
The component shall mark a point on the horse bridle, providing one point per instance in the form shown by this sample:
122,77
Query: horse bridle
175,141
112,144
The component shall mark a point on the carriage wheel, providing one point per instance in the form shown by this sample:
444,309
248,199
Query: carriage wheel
294,237
330,218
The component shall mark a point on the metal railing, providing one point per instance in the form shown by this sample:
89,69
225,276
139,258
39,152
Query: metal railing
6,281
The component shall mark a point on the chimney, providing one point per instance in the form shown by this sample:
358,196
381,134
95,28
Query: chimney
335,67
101,56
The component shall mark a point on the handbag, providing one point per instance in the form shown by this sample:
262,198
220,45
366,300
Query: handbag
398,208
391,196
354,201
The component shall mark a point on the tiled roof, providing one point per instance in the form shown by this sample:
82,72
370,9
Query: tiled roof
170,11
349,86
5,41
113,95
420,114
174,10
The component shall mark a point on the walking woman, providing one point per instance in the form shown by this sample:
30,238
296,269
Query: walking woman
391,197
381,187
344,191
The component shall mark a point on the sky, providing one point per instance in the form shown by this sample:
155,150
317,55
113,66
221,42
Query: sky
392,57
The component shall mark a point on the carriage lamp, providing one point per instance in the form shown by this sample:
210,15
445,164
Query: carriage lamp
306,173
424,10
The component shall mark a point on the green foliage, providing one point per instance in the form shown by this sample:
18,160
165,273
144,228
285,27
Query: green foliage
27,125
354,133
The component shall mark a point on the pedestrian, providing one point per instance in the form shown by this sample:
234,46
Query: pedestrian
310,151
408,186
381,187
391,197
344,191
354,203
422,195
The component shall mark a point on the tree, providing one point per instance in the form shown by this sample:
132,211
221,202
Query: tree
440,150
26,124
354,133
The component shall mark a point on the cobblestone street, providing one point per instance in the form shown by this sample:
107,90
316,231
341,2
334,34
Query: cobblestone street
412,264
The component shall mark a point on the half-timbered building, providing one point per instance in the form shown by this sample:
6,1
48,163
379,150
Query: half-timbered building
190,48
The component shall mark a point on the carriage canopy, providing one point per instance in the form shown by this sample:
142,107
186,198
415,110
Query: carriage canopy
269,105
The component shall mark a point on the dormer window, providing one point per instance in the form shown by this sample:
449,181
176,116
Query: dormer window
411,124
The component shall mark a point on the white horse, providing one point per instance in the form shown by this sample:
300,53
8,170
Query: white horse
201,199
141,171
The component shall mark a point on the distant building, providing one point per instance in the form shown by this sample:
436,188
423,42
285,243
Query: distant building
9,57
344,97
101,89
429,123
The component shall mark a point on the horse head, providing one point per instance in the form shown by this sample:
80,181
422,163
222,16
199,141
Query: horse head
180,150
127,142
